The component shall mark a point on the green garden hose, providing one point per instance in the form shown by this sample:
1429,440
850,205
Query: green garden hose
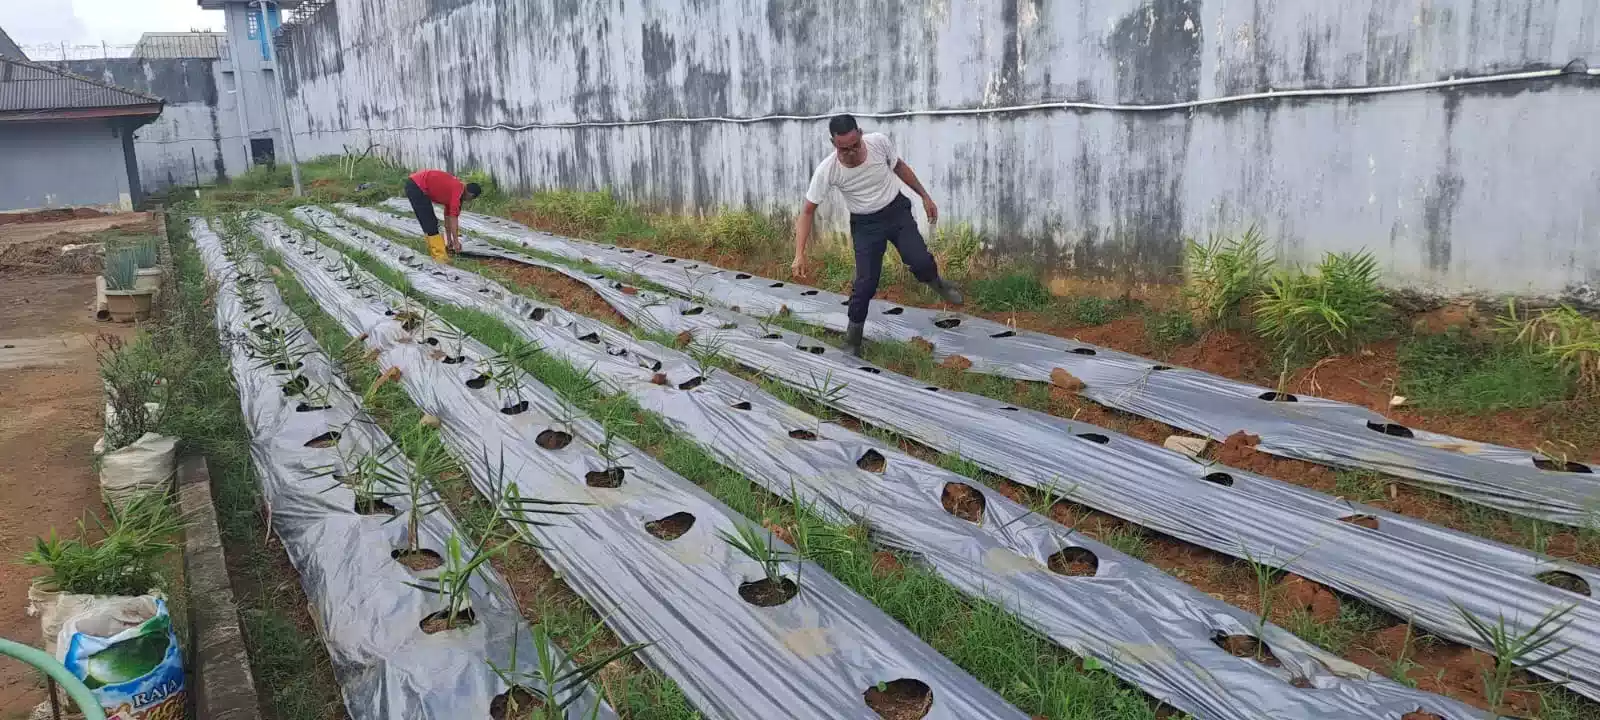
86,701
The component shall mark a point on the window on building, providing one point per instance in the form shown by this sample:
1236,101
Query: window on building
254,24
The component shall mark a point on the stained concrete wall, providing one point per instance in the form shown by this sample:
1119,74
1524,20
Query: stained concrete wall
1483,189
63,164
198,131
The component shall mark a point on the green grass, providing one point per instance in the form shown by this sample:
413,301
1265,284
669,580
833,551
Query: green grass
1453,371
291,668
1012,291
639,693
1360,485
1355,621
984,639
1170,328
1090,310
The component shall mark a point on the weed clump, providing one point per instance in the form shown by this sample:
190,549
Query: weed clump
125,561
1564,335
1009,292
1224,273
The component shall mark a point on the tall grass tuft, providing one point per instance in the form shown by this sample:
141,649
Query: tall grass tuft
957,247
1224,272
1011,291
122,264
1328,311
125,561
1563,334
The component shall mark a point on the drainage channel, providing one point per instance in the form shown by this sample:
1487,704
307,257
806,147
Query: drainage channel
743,633
1433,576
1314,429
1082,594
334,483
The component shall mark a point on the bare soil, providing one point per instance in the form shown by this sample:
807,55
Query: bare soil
766,593
903,699
50,417
963,501
419,560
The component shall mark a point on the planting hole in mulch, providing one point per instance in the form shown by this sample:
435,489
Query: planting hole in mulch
947,323
1391,429
871,461
325,440
1369,522
1219,478
813,349
418,560
1421,714
741,405
1008,408
669,261
432,341
478,383
963,501
517,408
1565,581
894,311
1083,351
1246,646
741,276
374,506
1004,334
553,439
670,527
772,336
802,435
1160,368
1075,562
776,285
286,367
296,385
809,293
766,593
609,478
454,360
1096,438
308,407
537,315
931,388
872,370
440,621
691,383
513,704
1271,396
1561,466
903,699
591,338
696,310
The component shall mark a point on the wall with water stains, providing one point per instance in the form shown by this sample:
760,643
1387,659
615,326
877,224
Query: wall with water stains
1490,188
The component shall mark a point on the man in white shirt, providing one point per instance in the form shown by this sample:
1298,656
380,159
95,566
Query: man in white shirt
864,168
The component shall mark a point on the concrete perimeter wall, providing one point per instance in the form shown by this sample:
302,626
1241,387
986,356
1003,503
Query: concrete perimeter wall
1492,188
197,132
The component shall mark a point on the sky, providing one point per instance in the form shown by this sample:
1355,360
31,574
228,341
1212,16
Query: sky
91,22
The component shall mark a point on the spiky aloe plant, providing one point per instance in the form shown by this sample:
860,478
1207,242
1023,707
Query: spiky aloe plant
121,266
556,685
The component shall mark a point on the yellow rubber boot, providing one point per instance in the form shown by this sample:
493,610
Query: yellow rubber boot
436,249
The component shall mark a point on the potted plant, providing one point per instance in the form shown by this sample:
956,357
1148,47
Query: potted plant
146,255
124,300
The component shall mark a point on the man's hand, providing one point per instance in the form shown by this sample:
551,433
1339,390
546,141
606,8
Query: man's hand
798,267
931,209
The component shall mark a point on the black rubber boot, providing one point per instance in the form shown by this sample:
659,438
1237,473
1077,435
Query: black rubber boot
947,291
852,338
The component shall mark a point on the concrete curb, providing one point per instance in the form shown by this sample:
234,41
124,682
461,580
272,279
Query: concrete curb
222,685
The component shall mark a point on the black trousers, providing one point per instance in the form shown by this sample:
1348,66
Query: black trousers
423,207
871,234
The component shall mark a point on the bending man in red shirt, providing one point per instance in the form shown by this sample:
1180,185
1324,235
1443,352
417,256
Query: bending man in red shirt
426,187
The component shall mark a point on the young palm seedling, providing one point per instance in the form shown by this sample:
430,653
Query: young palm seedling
368,476
707,354
1529,649
611,451
756,543
554,684
462,562
504,370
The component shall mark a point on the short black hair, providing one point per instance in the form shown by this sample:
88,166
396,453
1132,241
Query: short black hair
842,125
473,190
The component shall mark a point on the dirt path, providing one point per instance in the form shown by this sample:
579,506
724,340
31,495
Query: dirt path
50,417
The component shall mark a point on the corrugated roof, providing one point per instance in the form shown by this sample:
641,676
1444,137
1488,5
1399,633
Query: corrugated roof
180,45
30,87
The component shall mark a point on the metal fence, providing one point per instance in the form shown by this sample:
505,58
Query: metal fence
198,45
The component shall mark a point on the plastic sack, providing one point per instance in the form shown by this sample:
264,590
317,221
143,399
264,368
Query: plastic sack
125,650
147,464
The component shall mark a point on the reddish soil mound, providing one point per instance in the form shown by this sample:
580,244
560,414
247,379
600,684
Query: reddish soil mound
44,257
54,215
1299,593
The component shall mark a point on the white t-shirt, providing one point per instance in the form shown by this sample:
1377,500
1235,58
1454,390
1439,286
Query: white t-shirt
868,187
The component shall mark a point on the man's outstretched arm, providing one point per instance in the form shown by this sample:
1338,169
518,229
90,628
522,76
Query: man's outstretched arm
903,171
802,235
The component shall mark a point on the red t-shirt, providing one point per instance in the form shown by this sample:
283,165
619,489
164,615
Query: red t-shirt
441,187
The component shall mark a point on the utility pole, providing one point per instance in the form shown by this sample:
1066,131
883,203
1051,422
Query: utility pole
283,100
